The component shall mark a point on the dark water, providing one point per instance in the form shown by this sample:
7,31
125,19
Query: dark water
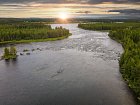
80,70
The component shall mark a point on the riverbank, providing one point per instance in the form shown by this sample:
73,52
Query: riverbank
129,37
128,82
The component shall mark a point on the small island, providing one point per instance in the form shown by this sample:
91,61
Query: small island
10,53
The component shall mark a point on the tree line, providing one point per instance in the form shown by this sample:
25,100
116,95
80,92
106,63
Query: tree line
128,34
109,26
130,59
30,31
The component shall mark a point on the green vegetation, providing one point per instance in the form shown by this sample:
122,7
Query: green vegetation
128,34
28,32
109,26
70,20
130,59
10,53
37,40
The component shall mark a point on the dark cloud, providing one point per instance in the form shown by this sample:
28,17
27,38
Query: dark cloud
114,1
69,1
84,12
127,11
28,1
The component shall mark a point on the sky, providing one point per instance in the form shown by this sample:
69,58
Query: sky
68,8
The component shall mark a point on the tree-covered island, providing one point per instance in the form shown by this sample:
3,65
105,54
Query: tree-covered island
9,53
30,32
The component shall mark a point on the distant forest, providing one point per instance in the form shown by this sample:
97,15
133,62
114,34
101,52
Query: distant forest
55,20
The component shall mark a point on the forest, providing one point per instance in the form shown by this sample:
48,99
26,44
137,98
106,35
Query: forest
13,32
109,26
128,34
55,20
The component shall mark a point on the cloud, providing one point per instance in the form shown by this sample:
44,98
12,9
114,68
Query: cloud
69,1
127,11
114,1
84,12
51,8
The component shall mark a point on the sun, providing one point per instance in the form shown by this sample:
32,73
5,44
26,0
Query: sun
63,15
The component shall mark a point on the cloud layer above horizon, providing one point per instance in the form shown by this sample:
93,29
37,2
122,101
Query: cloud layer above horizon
52,8
69,1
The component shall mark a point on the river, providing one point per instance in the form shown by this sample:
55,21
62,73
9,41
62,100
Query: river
80,70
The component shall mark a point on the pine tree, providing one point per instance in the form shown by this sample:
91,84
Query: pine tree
6,52
13,50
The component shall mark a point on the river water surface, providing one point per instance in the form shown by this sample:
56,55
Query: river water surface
80,70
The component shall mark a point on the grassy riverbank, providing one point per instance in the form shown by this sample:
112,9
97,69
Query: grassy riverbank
37,40
128,34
